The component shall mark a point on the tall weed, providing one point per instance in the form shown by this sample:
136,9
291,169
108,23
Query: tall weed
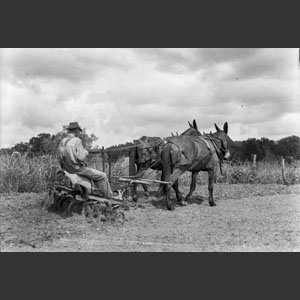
27,174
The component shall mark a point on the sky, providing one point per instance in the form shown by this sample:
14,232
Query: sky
122,94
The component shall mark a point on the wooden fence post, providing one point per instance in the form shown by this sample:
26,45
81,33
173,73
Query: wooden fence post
103,159
254,160
282,170
132,170
109,170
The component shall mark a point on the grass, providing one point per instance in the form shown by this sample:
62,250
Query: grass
35,174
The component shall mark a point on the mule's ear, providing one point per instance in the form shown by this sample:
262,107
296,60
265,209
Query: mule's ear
225,128
195,124
190,124
217,128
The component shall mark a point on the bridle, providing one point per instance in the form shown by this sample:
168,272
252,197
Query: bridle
218,146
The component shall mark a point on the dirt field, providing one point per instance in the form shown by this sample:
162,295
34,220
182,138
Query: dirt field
246,218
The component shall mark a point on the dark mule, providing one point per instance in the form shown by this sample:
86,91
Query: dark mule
194,154
148,154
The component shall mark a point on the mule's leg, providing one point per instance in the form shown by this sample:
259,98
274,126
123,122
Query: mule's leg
146,190
178,194
161,191
167,189
193,185
173,180
134,192
211,187
164,190
133,171
169,201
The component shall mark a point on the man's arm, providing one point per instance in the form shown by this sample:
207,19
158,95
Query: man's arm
60,155
82,153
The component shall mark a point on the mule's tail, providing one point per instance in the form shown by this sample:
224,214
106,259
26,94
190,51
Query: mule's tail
166,160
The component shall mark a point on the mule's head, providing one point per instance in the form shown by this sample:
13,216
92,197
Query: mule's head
223,138
193,130
147,151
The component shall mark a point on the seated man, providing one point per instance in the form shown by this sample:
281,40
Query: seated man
72,156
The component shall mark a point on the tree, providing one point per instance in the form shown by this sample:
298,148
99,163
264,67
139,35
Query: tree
236,151
40,144
250,147
45,143
266,149
289,146
21,147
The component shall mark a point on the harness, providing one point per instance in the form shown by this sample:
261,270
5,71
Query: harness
217,150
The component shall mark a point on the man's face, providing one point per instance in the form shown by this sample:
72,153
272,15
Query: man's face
77,132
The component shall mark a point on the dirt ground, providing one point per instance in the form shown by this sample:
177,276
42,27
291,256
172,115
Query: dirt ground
247,218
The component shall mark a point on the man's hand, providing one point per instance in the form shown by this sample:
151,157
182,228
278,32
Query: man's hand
84,164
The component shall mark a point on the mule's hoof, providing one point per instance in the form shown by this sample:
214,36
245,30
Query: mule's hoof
213,204
170,207
183,203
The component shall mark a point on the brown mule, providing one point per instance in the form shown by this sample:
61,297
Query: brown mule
194,154
148,154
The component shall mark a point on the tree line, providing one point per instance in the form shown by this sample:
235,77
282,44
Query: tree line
45,143
264,148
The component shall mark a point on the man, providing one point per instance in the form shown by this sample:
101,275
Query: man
72,156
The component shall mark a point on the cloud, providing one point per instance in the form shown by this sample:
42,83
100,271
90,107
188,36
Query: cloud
129,93
269,63
192,59
72,65
168,60
272,128
31,110
209,57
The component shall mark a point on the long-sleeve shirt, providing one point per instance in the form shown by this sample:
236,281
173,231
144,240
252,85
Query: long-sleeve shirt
71,154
